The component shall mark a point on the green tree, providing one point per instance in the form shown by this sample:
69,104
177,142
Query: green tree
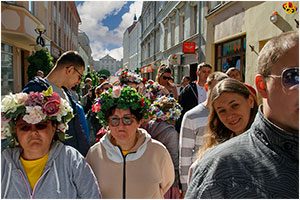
40,60
104,71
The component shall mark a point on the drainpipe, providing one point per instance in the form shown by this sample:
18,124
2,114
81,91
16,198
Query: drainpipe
199,33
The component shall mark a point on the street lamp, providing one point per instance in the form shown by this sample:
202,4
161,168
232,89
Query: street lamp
40,29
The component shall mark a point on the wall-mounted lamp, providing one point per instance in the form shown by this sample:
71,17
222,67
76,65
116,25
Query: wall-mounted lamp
274,17
40,29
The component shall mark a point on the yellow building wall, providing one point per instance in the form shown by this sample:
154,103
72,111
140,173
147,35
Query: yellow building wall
250,18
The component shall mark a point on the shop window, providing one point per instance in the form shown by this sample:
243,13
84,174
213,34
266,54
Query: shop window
7,72
231,54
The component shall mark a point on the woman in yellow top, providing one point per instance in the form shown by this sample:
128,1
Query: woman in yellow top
127,162
37,164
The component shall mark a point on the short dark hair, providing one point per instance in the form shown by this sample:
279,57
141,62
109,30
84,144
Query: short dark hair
70,58
201,65
187,77
103,76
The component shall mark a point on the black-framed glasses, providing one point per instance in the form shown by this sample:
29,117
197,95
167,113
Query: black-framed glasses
115,121
289,78
167,78
78,73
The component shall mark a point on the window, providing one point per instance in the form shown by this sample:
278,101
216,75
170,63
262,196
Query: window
7,72
231,54
194,20
59,37
172,33
213,5
166,37
181,27
54,13
32,7
54,33
149,49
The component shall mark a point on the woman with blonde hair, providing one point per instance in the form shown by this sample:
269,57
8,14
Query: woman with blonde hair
232,110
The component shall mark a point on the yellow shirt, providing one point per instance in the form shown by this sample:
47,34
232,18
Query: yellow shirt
34,168
125,153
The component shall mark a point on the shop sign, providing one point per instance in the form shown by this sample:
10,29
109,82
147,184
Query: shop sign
189,47
231,47
174,59
147,69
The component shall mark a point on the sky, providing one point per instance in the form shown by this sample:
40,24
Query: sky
104,22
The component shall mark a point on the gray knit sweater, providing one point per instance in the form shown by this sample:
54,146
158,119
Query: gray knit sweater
263,162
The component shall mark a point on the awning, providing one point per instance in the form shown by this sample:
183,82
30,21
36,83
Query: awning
147,69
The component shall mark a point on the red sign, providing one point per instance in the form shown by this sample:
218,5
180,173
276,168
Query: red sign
146,69
189,47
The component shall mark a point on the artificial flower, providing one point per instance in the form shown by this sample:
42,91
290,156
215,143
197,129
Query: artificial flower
34,114
51,108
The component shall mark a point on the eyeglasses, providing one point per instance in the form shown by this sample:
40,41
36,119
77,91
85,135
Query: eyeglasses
289,78
78,73
127,121
167,78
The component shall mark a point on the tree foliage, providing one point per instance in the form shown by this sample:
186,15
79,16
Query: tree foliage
40,60
104,71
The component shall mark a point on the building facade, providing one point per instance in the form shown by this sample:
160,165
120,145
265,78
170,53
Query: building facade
131,47
108,63
238,30
165,27
19,19
85,50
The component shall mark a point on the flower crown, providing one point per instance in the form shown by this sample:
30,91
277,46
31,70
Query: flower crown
165,109
122,97
35,108
152,91
127,76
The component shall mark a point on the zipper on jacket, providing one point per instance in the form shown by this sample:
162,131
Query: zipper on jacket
38,182
31,196
23,177
124,171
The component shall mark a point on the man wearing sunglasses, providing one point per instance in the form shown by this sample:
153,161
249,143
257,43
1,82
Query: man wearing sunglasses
66,74
263,162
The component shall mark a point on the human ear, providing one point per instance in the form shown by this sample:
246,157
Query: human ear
206,87
260,83
69,69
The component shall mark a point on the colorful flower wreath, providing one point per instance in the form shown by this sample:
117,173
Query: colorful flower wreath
165,109
127,76
122,97
35,108
152,91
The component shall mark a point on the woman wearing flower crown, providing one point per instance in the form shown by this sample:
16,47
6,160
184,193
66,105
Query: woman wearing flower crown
37,164
127,162
164,111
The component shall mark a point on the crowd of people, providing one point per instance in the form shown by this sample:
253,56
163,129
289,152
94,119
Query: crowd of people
148,139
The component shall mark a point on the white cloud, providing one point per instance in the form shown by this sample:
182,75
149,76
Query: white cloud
93,12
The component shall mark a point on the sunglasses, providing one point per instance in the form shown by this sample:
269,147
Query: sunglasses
28,127
289,78
166,78
115,121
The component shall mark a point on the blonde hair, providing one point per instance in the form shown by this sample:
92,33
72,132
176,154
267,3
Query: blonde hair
274,49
